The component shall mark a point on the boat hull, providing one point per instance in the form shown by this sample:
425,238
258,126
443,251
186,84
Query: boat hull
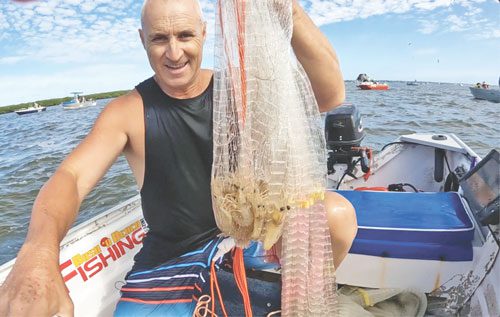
73,106
374,87
96,255
492,95
30,110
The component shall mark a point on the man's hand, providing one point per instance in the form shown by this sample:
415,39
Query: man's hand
35,286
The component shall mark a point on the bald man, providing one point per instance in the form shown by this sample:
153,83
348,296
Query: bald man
164,128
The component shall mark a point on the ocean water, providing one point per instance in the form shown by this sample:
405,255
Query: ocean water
32,146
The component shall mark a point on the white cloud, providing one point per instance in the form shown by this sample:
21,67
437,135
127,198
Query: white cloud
467,19
88,6
425,52
11,59
331,11
456,24
431,5
46,25
428,26
44,8
69,31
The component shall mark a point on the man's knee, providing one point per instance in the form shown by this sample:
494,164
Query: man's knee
341,214
342,223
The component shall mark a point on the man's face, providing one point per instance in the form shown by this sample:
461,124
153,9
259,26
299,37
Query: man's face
173,35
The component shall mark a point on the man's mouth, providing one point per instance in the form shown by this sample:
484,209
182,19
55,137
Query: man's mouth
176,66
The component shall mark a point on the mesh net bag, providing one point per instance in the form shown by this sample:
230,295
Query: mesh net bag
269,168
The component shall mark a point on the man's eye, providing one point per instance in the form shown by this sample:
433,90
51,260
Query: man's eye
159,38
185,35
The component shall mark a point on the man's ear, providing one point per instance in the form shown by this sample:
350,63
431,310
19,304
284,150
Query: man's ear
141,35
204,31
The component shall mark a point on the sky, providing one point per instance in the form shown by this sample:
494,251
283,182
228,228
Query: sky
49,48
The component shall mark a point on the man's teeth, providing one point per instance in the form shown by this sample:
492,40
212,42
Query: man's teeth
176,66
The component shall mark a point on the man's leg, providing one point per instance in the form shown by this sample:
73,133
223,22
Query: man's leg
342,223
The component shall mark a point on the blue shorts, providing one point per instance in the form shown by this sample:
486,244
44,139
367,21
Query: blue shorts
173,288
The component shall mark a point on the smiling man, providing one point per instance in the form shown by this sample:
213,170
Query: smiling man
173,34
164,128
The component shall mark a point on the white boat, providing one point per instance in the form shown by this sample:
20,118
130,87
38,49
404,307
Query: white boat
489,94
33,109
78,102
445,249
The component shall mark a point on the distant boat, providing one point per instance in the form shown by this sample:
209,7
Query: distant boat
412,83
492,95
78,102
366,83
33,109
373,86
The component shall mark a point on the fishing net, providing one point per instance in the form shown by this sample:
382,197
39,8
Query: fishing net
269,168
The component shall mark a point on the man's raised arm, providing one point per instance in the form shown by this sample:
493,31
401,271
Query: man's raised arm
35,286
319,60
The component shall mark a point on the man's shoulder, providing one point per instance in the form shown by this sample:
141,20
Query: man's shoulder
130,101
123,111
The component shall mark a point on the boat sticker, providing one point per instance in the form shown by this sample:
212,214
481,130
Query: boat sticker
87,264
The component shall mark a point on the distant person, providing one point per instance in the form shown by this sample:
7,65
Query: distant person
484,85
164,128
478,85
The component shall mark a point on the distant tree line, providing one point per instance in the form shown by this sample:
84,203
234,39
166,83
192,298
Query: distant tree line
58,101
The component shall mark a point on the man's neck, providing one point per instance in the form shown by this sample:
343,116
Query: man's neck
195,89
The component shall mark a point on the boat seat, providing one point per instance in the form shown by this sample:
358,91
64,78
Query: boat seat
427,226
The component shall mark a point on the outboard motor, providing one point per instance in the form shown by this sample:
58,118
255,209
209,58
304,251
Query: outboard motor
344,132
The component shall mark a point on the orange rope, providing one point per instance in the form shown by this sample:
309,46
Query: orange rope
369,153
212,290
214,281
240,15
229,58
370,157
241,280
376,188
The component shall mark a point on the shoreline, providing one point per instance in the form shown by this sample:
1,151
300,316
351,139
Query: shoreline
57,101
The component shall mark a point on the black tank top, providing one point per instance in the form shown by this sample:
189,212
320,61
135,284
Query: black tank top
176,199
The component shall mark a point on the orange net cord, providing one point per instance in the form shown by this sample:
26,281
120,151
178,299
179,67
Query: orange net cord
214,282
241,280
240,14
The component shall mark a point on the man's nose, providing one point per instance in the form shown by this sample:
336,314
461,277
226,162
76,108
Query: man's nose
174,51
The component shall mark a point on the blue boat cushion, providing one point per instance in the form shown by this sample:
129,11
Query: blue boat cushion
427,226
